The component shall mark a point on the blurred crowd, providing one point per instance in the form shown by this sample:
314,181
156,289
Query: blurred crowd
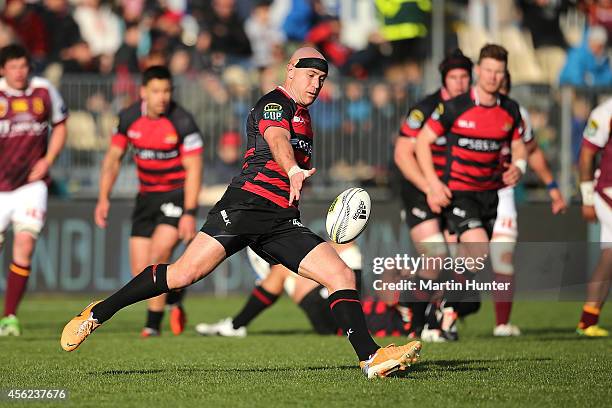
225,53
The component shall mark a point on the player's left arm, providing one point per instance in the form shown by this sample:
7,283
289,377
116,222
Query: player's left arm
515,171
57,139
537,162
192,146
193,165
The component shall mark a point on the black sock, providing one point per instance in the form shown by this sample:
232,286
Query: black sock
317,310
260,300
154,319
175,297
346,309
149,283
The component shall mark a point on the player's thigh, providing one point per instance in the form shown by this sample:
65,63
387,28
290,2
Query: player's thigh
30,208
506,219
200,258
140,254
163,241
7,206
323,265
603,210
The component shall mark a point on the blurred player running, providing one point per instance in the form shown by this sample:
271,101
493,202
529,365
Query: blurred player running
477,125
260,210
32,134
597,205
168,154
426,226
505,230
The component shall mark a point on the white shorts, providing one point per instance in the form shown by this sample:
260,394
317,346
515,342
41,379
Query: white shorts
25,208
505,223
604,215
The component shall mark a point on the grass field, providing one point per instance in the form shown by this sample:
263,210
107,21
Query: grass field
281,363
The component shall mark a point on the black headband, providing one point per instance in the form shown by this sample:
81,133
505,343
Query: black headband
316,63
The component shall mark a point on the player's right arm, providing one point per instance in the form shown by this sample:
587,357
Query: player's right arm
278,140
438,194
405,159
108,175
595,137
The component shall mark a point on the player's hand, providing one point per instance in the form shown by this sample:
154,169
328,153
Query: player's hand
588,213
101,213
187,228
40,169
295,183
512,175
438,197
558,205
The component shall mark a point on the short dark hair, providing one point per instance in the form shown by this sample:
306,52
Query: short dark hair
156,72
13,52
507,83
497,52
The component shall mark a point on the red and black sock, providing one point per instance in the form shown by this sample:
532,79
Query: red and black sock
503,299
590,317
16,282
259,301
149,283
346,309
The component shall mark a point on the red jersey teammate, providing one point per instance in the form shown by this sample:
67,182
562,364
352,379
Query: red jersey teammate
597,204
168,154
259,210
30,110
477,125
426,226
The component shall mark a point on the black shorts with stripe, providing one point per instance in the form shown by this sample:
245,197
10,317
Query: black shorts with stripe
152,209
470,210
415,205
242,219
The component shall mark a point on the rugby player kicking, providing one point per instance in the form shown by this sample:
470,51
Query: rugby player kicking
260,210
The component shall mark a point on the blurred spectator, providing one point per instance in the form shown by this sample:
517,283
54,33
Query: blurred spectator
299,20
599,12
587,65
79,59
133,12
358,22
28,26
541,18
405,25
180,62
65,33
6,35
263,36
227,32
126,58
326,37
219,173
167,30
99,26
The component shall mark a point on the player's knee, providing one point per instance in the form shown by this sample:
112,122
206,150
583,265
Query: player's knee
501,249
182,275
343,279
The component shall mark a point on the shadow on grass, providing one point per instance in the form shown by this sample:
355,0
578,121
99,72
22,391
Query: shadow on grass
195,370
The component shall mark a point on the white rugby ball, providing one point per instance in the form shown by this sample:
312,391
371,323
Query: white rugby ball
348,215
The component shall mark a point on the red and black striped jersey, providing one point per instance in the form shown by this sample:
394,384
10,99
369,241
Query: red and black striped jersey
260,174
415,120
26,116
475,135
158,145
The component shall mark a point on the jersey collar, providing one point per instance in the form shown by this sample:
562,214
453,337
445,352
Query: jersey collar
476,98
4,86
283,90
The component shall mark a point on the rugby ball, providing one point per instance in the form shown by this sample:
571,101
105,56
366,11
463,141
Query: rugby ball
348,215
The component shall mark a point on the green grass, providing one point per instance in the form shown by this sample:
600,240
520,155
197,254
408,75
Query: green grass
281,363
